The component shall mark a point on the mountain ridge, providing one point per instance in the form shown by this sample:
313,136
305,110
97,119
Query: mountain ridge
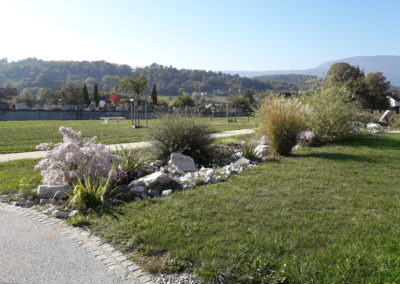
389,65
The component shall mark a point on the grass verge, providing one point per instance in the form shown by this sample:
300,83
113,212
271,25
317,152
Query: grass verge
323,215
22,136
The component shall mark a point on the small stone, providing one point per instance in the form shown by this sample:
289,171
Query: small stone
29,203
167,192
43,201
73,213
60,214
139,189
30,197
50,211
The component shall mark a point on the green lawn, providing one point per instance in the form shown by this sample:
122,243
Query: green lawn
19,176
324,215
21,136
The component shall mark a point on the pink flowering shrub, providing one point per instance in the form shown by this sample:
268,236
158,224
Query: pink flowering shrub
75,158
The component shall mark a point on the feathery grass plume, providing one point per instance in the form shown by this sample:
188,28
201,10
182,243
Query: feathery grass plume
281,121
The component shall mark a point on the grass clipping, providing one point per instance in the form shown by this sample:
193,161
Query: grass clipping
281,121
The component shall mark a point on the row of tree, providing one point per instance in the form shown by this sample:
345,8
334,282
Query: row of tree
33,74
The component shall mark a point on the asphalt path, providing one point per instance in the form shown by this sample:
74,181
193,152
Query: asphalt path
33,252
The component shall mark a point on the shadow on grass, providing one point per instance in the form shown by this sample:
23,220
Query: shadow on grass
338,157
383,141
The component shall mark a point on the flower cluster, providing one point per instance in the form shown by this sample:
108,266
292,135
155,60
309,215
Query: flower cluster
75,158
306,136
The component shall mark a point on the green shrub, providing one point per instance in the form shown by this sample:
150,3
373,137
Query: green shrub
188,135
89,193
334,114
395,121
281,121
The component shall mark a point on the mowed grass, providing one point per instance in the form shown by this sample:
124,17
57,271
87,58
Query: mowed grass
19,176
323,215
22,136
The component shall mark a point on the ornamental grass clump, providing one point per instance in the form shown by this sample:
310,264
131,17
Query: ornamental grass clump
282,120
129,161
75,158
185,134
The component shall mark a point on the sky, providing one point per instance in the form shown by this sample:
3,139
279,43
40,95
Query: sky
215,35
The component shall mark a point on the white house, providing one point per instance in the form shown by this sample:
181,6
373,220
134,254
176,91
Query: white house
394,103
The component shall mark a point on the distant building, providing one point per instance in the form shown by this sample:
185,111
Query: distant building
8,96
394,103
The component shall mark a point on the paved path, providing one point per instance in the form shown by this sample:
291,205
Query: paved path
37,251
40,154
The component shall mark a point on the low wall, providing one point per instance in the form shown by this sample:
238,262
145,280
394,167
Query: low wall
80,115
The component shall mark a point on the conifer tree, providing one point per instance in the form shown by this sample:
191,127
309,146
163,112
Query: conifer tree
154,94
85,95
96,95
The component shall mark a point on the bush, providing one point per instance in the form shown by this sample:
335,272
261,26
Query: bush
281,121
334,114
187,135
75,158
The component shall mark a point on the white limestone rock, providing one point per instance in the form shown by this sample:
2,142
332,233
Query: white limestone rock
157,178
182,162
53,191
262,150
263,140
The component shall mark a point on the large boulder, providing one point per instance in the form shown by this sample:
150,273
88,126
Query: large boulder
53,191
182,162
154,179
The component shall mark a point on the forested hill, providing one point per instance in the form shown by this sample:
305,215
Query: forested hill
171,81
32,72
301,81
29,75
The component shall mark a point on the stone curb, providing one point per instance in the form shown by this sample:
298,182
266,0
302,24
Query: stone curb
110,257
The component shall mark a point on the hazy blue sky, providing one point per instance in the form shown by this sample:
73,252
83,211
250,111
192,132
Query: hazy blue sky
204,34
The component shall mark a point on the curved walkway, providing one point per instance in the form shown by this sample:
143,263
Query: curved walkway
37,249
40,154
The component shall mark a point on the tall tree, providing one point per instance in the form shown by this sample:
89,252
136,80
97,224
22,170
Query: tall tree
134,85
248,95
71,94
85,95
370,90
378,87
154,95
96,95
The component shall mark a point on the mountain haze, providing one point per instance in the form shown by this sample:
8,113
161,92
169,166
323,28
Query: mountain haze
389,65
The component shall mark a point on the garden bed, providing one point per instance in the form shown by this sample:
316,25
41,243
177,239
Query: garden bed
326,214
